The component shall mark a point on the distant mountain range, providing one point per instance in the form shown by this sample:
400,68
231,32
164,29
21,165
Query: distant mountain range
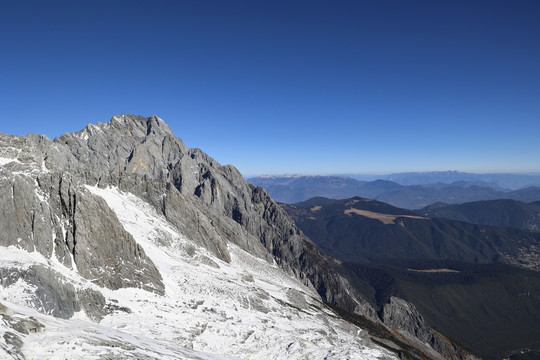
455,273
507,213
292,189
501,180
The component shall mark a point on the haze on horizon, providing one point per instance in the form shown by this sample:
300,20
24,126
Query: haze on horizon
276,87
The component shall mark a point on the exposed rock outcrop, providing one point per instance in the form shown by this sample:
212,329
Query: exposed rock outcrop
18,325
55,216
402,316
208,202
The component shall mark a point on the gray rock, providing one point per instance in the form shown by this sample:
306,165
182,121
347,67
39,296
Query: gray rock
11,346
53,294
25,218
49,211
104,251
12,343
209,203
403,316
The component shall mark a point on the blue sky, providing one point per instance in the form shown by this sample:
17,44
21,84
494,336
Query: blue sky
276,87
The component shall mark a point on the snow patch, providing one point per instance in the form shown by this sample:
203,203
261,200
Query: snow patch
243,308
13,256
5,161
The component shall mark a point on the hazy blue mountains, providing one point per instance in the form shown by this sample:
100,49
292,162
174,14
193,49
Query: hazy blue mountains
291,189
507,213
504,181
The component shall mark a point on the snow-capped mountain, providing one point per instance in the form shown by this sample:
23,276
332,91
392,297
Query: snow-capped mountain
119,242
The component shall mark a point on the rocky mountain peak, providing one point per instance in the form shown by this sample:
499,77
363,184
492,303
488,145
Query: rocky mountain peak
127,125
209,203
152,125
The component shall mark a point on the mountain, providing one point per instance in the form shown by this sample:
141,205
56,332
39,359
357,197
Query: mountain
477,284
291,189
118,241
466,184
417,196
507,213
528,194
490,308
375,188
497,181
360,229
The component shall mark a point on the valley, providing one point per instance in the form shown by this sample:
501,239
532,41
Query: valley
477,284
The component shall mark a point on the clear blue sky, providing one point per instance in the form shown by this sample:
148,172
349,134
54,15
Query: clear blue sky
288,86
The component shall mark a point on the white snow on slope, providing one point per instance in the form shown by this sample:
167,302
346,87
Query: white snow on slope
246,309
5,161
80,338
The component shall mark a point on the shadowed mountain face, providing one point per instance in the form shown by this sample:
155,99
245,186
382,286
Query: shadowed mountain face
292,189
455,273
507,213
359,229
496,181
493,309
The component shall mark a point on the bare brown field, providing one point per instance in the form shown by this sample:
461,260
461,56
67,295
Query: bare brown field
435,270
384,218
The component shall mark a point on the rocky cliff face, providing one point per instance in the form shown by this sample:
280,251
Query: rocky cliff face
206,201
56,202
403,317
45,210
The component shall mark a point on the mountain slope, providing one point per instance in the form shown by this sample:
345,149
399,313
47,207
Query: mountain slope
245,307
507,213
453,272
359,229
219,206
493,309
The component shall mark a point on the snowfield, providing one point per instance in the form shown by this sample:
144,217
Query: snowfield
245,309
